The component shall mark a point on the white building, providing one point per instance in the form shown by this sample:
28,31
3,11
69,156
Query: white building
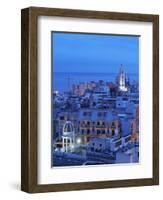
104,144
122,80
68,137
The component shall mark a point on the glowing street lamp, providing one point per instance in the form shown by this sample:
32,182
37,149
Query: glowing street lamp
78,141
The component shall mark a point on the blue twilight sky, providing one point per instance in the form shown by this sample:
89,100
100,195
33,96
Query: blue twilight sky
94,53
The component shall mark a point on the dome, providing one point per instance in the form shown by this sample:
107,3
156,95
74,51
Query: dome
68,129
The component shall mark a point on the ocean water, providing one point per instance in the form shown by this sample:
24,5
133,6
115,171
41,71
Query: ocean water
63,81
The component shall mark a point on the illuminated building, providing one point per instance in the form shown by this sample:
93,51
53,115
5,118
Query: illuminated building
121,79
97,123
68,137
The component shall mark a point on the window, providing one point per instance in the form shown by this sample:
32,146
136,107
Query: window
62,118
83,123
113,132
118,143
88,131
92,148
88,123
84,113
128,139
113,124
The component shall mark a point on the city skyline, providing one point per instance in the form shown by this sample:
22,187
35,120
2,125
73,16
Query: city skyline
96,108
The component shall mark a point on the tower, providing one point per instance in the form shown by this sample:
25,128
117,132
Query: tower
122,79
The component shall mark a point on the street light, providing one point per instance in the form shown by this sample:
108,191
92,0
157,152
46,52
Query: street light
78,140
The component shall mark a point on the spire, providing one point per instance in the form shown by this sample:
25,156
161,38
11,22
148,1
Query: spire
121,69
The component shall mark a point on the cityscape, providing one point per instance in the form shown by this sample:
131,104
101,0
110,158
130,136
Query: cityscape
95,121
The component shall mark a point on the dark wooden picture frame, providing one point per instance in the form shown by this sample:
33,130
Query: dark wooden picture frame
29,134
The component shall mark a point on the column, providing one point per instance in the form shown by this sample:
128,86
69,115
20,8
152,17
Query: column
63,144
70,142
66,144
116,131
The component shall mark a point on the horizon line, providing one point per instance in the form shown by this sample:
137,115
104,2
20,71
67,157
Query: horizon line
99,72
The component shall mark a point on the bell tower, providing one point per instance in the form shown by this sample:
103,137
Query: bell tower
122,79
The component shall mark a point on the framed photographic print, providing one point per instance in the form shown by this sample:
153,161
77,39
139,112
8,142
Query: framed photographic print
90,99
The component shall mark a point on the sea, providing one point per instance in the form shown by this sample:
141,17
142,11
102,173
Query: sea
63,81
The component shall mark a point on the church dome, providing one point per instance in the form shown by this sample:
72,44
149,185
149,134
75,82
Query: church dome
68,129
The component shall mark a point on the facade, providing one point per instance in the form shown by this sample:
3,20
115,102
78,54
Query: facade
109,144
90,123
98,123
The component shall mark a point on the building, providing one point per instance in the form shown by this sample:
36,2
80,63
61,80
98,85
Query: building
68,137
135,126
121,80
108,144
62,118
97,123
